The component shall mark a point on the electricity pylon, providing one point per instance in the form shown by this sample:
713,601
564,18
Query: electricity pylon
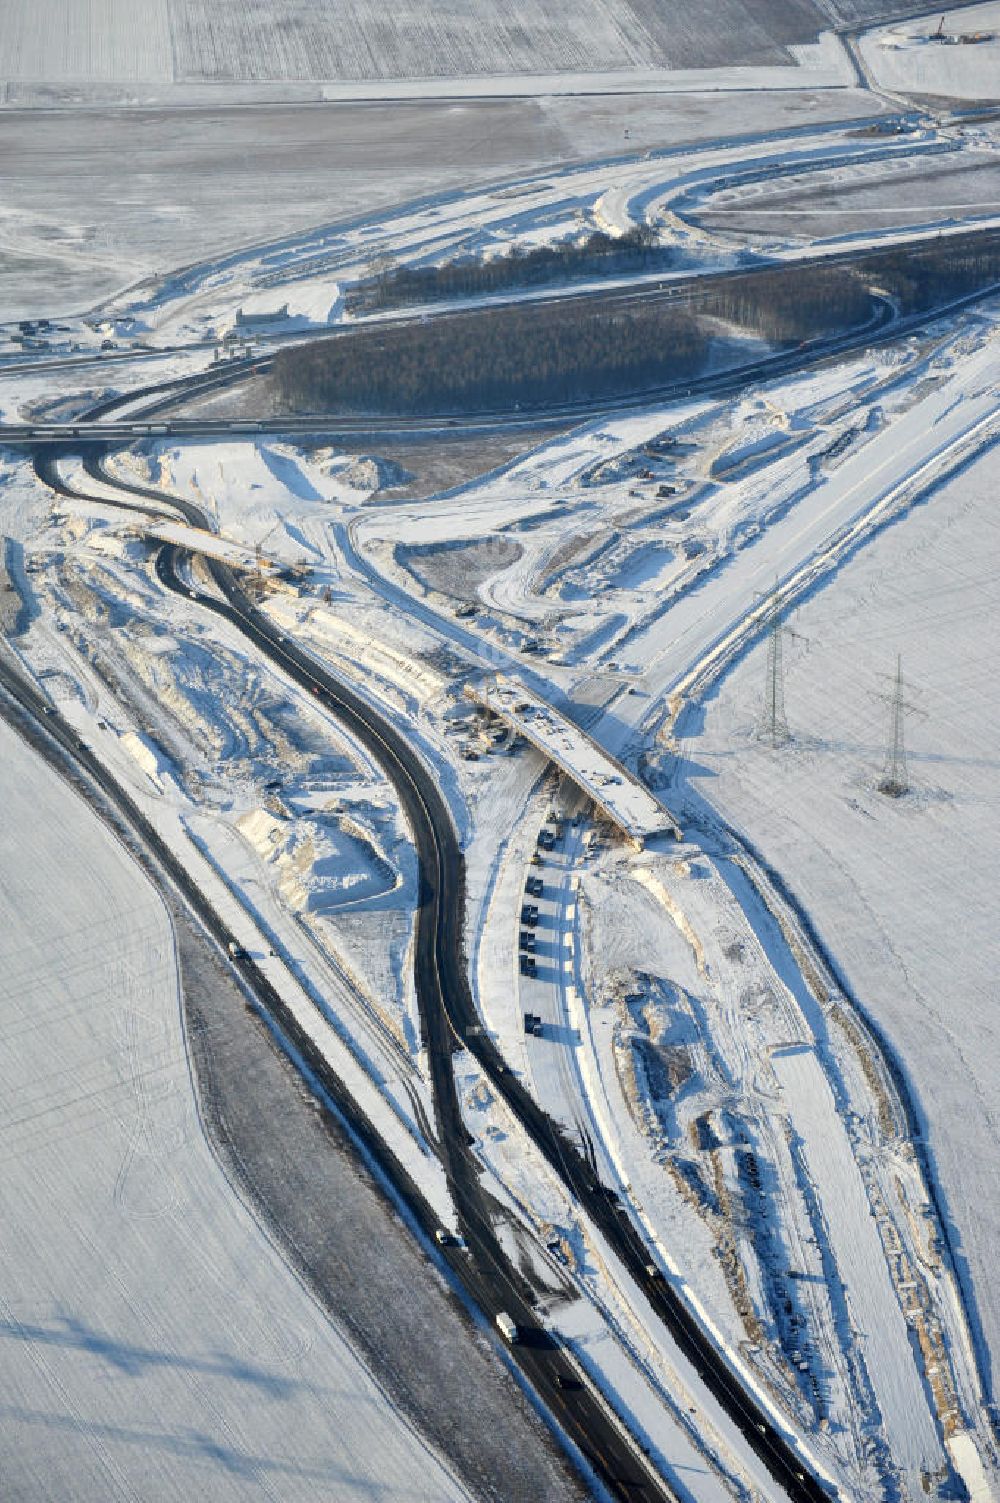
773,727
895,779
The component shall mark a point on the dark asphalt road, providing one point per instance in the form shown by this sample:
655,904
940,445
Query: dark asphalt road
482,1267
448,1014
352,428
449,1017
450,1020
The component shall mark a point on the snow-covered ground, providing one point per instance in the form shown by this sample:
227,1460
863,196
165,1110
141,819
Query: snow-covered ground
148,45
693,1040
963,63
153,1342
902,892
306,271
758,484
824,456
282,285
288,822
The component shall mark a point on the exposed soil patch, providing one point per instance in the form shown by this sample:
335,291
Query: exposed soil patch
458,569
436,462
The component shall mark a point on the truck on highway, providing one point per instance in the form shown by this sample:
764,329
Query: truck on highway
507,1327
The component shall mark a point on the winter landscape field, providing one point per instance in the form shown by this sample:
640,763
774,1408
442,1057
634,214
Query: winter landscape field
499,873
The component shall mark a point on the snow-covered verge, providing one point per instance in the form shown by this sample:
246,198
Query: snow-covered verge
686,1040
902,891
735,1098
154,1344
287,820
559,535
600,541
669,1002
595,1309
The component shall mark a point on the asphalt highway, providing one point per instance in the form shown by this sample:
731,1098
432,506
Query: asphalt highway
481,1265
448,1014
157,422
450,1020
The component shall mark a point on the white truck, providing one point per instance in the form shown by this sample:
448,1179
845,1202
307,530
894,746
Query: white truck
507,1327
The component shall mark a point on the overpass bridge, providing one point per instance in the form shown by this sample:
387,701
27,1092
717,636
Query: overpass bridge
211,545
328,427
618,793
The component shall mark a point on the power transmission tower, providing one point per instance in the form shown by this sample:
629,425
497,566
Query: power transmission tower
894,781
257,577
773,727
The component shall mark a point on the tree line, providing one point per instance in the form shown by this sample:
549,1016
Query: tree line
609,345
392,286
537,354
922,277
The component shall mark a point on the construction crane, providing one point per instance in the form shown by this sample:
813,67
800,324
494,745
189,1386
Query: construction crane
257,581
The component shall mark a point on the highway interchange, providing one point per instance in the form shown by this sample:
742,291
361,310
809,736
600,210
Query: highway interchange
448,1013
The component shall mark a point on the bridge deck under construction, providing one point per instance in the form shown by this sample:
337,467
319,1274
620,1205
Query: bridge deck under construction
620,796
236,555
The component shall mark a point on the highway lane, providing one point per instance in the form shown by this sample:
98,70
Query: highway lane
44,363
447,1007
353,428
626,288
481,1266
450,1020
582,1416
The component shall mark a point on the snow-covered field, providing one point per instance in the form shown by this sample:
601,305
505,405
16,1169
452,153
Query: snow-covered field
656,190
810,452
693,1040
153,1342
206,179
902,892
153,42
876,197
909,57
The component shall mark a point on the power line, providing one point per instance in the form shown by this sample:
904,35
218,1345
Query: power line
773,726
